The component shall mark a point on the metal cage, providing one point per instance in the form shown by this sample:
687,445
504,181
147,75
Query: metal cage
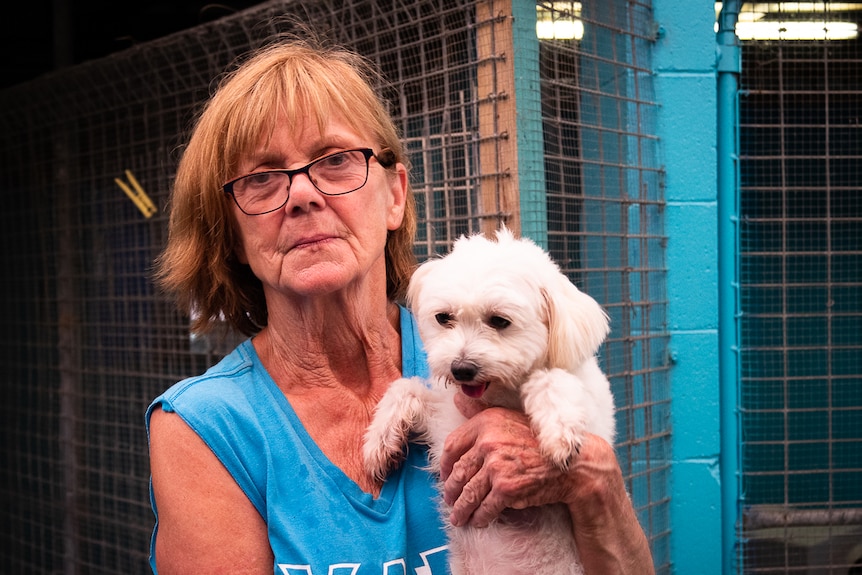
567,156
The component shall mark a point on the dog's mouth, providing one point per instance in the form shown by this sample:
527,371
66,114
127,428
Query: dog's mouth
474,391
466,374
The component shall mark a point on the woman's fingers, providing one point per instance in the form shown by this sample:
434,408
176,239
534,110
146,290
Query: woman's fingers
466,490
493,463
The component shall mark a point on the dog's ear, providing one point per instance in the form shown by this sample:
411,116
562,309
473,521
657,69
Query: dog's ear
577,324
415,285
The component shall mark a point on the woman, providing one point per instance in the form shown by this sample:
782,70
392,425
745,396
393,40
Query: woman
292,219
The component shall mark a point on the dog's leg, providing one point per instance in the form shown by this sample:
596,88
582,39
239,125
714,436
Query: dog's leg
402,411
558,407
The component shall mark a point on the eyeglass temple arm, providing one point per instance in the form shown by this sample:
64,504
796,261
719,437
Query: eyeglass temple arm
386,158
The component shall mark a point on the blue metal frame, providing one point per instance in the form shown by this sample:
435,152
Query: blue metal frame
729,68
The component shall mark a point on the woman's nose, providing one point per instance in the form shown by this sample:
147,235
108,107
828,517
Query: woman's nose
303,194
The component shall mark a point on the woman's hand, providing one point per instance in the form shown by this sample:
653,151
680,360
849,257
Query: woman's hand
492,463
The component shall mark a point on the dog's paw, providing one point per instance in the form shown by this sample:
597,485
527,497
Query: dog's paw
382,452
400,413
561,448
557,413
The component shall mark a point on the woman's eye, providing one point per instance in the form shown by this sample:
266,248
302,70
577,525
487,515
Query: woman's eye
335,160
258,180
443,318
498,322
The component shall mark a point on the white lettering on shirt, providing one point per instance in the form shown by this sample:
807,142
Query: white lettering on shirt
393,567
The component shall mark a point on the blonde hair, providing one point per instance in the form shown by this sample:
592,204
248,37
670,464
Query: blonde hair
293,80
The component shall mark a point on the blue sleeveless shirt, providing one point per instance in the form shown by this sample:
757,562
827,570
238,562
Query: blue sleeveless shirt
319,521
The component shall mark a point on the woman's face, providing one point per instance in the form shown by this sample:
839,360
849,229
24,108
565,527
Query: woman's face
317,244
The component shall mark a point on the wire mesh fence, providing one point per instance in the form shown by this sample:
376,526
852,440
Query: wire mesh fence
87,341
605,224
801,276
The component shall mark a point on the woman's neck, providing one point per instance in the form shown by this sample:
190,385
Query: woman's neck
332,344
334,368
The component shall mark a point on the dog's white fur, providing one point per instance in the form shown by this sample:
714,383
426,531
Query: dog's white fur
501,322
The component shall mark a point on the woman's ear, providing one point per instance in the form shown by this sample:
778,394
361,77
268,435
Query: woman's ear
397,197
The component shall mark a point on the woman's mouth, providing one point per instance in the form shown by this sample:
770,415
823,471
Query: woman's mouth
312,241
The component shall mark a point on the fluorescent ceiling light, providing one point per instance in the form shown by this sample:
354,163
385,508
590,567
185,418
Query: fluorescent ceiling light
560,30
803,6
561,22
772,30
797,7
754,21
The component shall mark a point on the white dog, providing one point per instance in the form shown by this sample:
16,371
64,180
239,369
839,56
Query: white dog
503,325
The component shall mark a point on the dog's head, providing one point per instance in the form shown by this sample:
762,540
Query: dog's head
491,312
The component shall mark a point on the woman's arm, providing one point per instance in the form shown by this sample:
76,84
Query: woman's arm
206,523
608,536
493,462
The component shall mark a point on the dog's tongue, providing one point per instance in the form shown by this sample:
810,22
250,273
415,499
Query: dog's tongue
474,391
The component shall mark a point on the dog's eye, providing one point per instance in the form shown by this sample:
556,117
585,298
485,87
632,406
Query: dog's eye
443,318
498,322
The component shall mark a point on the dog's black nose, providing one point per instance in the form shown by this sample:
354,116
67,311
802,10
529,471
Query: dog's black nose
464,370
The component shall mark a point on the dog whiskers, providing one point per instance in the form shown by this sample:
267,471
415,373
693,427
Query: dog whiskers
446,381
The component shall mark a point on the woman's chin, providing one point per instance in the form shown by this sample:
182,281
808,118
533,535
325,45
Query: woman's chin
318,280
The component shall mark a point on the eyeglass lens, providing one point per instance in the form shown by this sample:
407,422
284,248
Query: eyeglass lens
336,174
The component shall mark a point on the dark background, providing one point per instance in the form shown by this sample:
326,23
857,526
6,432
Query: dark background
37,36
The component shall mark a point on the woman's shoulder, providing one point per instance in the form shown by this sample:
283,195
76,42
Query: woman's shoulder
230,408
226,390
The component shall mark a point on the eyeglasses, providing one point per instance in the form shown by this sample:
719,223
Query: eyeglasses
334,175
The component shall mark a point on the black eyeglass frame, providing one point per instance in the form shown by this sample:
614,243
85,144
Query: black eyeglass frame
386,158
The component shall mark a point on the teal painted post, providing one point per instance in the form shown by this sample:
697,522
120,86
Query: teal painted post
528,108
684,63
